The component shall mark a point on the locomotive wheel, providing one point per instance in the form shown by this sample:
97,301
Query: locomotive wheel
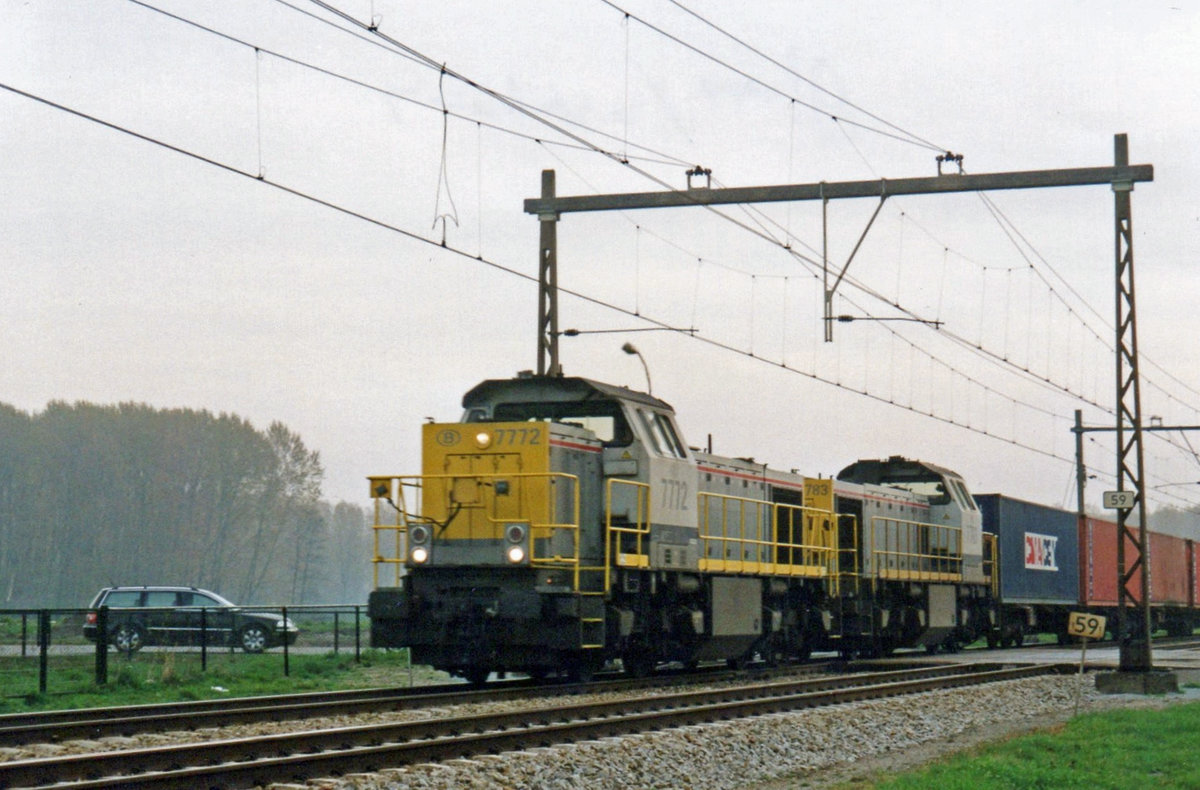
805,647
638,665
477,676
580,673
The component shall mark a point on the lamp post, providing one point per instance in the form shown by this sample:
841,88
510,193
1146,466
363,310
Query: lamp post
630,348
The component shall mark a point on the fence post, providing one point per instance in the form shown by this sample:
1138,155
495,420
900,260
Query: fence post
24,631
43,648
286,673
336,623
204,638
102,646
357,644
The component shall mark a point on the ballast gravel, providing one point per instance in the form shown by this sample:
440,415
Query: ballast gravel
744,752
777,752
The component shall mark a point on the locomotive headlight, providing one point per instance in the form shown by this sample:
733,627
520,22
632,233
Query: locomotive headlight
418,534
514,533
516,554
483,440
419,555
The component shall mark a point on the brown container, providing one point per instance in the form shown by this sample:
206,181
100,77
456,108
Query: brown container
1169,562
1194,572
1099,563
1172,564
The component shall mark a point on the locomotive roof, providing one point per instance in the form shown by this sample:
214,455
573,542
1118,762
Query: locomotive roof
528,388
892,470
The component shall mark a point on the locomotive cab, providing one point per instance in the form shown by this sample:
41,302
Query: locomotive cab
918,555
504,548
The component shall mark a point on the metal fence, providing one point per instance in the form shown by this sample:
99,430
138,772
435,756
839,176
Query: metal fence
67,650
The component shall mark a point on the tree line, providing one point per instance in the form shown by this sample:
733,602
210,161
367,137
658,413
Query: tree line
96,495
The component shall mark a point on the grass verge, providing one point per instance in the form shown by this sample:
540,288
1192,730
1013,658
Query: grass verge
1116,750
159,677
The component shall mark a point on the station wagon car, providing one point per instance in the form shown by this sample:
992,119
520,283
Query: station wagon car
139,616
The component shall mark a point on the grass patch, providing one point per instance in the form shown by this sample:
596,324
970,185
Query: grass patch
1115,750
163,676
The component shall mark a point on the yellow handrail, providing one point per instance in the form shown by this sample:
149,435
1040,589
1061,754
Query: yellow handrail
915,551
756,545
639,528
991,562
408,509
850,570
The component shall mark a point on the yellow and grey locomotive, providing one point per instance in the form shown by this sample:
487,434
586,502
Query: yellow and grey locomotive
564,523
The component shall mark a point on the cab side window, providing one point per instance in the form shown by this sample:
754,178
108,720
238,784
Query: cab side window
661,434
160,598
123,598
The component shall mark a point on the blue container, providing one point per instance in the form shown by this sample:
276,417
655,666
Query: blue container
1039,550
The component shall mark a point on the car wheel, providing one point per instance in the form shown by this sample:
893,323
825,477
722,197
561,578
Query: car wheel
127,638
253,638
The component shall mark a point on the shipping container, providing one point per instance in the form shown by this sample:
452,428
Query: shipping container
1100,563
1168,570
1038,546
1194,572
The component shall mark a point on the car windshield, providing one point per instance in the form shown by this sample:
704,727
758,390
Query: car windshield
123,598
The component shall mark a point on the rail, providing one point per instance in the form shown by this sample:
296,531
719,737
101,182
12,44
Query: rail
749,536
991,558
478,498
915,551
296,756
629,538
741,535
849,577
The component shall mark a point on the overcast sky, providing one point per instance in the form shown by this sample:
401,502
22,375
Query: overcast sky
282,258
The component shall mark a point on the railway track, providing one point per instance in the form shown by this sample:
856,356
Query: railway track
246,762
55,726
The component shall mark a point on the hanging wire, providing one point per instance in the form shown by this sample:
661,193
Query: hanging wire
637,270
479,184
443,173
625,149
258,106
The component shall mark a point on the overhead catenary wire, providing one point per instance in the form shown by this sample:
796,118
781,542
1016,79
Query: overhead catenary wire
649,156
416,57
541,141
501,267
760,231
805,79
814,273
901,137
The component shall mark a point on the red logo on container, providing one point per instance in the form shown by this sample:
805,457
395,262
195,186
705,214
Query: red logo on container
1039,552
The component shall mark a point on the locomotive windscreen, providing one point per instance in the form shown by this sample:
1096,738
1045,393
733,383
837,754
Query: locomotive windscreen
603,418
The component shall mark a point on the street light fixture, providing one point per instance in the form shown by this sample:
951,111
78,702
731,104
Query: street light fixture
630,348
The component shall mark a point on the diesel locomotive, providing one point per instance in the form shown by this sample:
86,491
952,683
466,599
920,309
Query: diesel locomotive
564,524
